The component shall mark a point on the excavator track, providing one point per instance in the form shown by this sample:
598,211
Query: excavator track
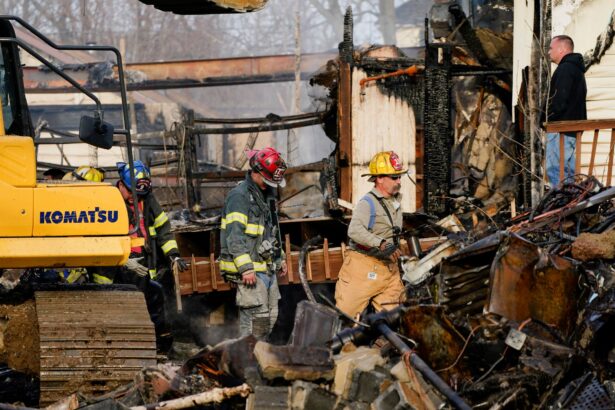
91,341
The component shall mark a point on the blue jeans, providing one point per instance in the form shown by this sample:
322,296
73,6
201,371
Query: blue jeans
552,154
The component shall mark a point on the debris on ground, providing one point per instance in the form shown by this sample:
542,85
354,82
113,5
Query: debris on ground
519,314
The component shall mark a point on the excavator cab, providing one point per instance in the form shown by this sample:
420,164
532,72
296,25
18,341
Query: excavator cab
55,225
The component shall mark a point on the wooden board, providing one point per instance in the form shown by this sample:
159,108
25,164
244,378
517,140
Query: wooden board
199,279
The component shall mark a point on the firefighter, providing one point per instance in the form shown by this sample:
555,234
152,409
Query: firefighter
155,226
85,173
250,246
160,245
53,174
370,273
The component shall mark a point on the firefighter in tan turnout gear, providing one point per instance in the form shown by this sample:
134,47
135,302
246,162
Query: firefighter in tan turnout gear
250,245
370,273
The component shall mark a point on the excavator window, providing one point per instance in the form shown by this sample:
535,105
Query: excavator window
6,96
12,94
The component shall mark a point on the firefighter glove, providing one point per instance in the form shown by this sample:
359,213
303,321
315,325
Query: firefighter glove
134,266
179,262
266,249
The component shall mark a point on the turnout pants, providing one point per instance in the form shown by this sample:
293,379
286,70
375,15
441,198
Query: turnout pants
258,306
363,280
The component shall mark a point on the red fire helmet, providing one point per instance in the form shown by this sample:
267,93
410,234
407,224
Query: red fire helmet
269,163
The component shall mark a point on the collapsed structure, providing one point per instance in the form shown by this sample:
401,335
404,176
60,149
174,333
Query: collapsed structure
509,306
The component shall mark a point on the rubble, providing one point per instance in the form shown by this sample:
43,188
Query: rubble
503,310
519,316
19,340
589,246
294,362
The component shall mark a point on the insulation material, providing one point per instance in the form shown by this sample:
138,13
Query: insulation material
381,122
482,163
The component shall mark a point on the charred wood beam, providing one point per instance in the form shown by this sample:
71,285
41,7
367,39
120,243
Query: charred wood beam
258,120
438,129
103,76
240,174
258,128
193,195
344,109
469,35
215,395
464,70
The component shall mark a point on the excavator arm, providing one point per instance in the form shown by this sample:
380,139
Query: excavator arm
206,6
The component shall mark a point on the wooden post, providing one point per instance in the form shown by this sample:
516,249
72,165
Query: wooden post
562,159
195,283
325,250
577,150
593,155
191,195
344,107
178,293
289,259
308,265
212,269
610,167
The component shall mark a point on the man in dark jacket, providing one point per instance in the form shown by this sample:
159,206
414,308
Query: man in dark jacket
250,245
566,102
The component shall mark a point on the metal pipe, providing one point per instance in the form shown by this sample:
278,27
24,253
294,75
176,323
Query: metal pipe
276,126
53,68
302,257
317,114
410,71
422,367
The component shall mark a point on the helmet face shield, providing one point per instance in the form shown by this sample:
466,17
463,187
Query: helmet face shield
143,186
143,183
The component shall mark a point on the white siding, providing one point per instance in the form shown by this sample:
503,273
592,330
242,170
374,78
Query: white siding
587,22
381,123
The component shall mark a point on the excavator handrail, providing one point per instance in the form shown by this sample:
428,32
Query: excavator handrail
124,98
53,68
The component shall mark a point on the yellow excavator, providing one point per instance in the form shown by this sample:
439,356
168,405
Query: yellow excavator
83,338
90,338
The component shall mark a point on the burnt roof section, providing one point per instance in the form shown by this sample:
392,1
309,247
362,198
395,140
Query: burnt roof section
206,6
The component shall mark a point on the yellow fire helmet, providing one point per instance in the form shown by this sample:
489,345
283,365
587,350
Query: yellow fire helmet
385,163
85,173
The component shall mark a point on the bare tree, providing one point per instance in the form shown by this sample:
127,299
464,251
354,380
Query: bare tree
153,35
